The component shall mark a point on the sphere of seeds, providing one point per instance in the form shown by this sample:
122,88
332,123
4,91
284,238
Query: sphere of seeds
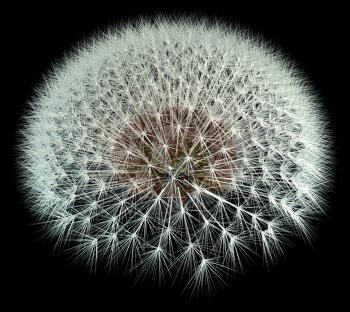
180,147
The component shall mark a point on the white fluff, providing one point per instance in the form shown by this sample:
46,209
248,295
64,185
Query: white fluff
261,102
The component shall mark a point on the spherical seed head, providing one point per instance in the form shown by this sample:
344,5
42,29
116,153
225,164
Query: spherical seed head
179,146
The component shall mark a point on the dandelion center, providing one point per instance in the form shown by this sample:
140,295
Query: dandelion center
169,152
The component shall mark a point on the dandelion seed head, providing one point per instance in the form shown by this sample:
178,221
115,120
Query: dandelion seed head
179,147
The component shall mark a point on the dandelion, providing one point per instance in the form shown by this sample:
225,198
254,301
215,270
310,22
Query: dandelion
180,148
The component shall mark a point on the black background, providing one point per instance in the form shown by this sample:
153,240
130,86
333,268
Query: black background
309,276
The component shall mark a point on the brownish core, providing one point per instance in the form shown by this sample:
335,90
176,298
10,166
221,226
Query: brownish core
170,152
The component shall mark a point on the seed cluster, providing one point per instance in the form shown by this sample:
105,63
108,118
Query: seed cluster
178,148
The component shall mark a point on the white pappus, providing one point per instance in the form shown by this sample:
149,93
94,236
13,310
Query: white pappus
178,148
